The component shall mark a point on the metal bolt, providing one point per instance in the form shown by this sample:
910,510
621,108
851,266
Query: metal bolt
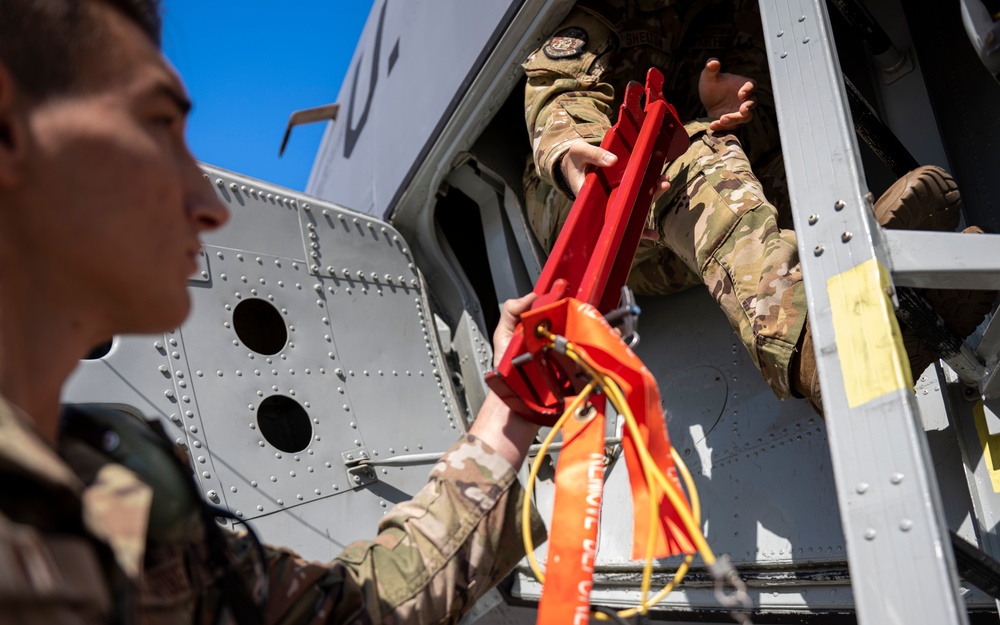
214,496
870,533
862,487
896,478
818,250
846,236
839,205
813,219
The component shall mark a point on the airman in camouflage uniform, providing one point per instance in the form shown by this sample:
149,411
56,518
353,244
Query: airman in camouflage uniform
714,225
99,518
77,545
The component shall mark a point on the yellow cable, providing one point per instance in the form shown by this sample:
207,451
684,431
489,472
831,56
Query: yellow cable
676,499
529,546
690,513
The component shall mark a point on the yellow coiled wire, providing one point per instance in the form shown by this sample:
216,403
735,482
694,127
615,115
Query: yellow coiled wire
690,515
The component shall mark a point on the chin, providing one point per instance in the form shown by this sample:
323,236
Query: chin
161,316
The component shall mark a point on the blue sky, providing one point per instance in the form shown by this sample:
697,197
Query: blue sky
248,65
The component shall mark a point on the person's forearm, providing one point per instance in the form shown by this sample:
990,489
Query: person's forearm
504,431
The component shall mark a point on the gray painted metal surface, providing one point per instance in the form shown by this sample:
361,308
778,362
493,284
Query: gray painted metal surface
763,472
413,64
335,357
889,503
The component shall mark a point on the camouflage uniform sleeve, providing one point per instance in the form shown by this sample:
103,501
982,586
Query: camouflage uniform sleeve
565,98
433,557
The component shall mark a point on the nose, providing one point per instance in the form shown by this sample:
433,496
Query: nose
204,208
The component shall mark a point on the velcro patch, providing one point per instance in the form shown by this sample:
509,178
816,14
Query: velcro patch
566,44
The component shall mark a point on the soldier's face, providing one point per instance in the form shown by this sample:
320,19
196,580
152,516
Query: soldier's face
115,199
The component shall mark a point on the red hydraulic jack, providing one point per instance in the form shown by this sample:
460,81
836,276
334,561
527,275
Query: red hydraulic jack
591,259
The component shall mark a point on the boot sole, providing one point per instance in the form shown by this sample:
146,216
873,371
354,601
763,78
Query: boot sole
914,202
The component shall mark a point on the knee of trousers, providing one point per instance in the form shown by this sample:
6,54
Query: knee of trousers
755,276
723,228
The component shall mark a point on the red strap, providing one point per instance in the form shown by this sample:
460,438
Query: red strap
573,535
592,335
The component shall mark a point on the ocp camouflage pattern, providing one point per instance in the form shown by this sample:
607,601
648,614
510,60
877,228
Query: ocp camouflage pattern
74,551
716,226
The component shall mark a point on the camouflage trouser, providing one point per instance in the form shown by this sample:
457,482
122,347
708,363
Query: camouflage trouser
715,228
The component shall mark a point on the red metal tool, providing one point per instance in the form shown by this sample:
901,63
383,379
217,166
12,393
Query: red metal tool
593,255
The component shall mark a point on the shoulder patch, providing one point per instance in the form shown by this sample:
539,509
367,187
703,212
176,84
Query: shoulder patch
565,44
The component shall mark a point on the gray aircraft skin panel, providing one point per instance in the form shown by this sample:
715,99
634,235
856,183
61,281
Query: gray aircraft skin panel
308,350
412,64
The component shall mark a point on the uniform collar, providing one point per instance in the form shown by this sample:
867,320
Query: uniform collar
23,451
115,505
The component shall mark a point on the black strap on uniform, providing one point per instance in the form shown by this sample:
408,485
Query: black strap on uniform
238,597
236,594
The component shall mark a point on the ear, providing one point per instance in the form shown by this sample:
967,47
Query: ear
13,128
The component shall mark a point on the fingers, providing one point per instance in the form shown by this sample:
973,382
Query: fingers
712,68
650,235
732,121
661,187
747,90
510,314
579,155
514,308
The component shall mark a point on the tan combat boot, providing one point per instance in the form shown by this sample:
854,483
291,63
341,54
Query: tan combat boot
927,198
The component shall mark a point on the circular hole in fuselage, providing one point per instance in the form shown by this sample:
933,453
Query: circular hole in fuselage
284,423
100,351
260,326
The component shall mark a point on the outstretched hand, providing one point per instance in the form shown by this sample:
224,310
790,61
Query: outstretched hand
580,155
729,98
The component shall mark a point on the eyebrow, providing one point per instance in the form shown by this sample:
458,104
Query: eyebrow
179,99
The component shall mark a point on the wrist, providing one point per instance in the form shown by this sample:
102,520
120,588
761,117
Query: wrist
559,178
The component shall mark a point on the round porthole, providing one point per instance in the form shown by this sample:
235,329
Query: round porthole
260,326
99,351
284,423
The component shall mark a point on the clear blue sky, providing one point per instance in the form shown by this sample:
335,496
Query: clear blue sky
248,65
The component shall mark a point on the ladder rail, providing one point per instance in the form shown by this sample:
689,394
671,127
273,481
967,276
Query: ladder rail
902,570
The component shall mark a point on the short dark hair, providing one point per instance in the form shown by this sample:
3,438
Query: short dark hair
42,42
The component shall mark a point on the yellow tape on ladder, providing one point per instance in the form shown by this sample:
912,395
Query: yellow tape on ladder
872,359
991,446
